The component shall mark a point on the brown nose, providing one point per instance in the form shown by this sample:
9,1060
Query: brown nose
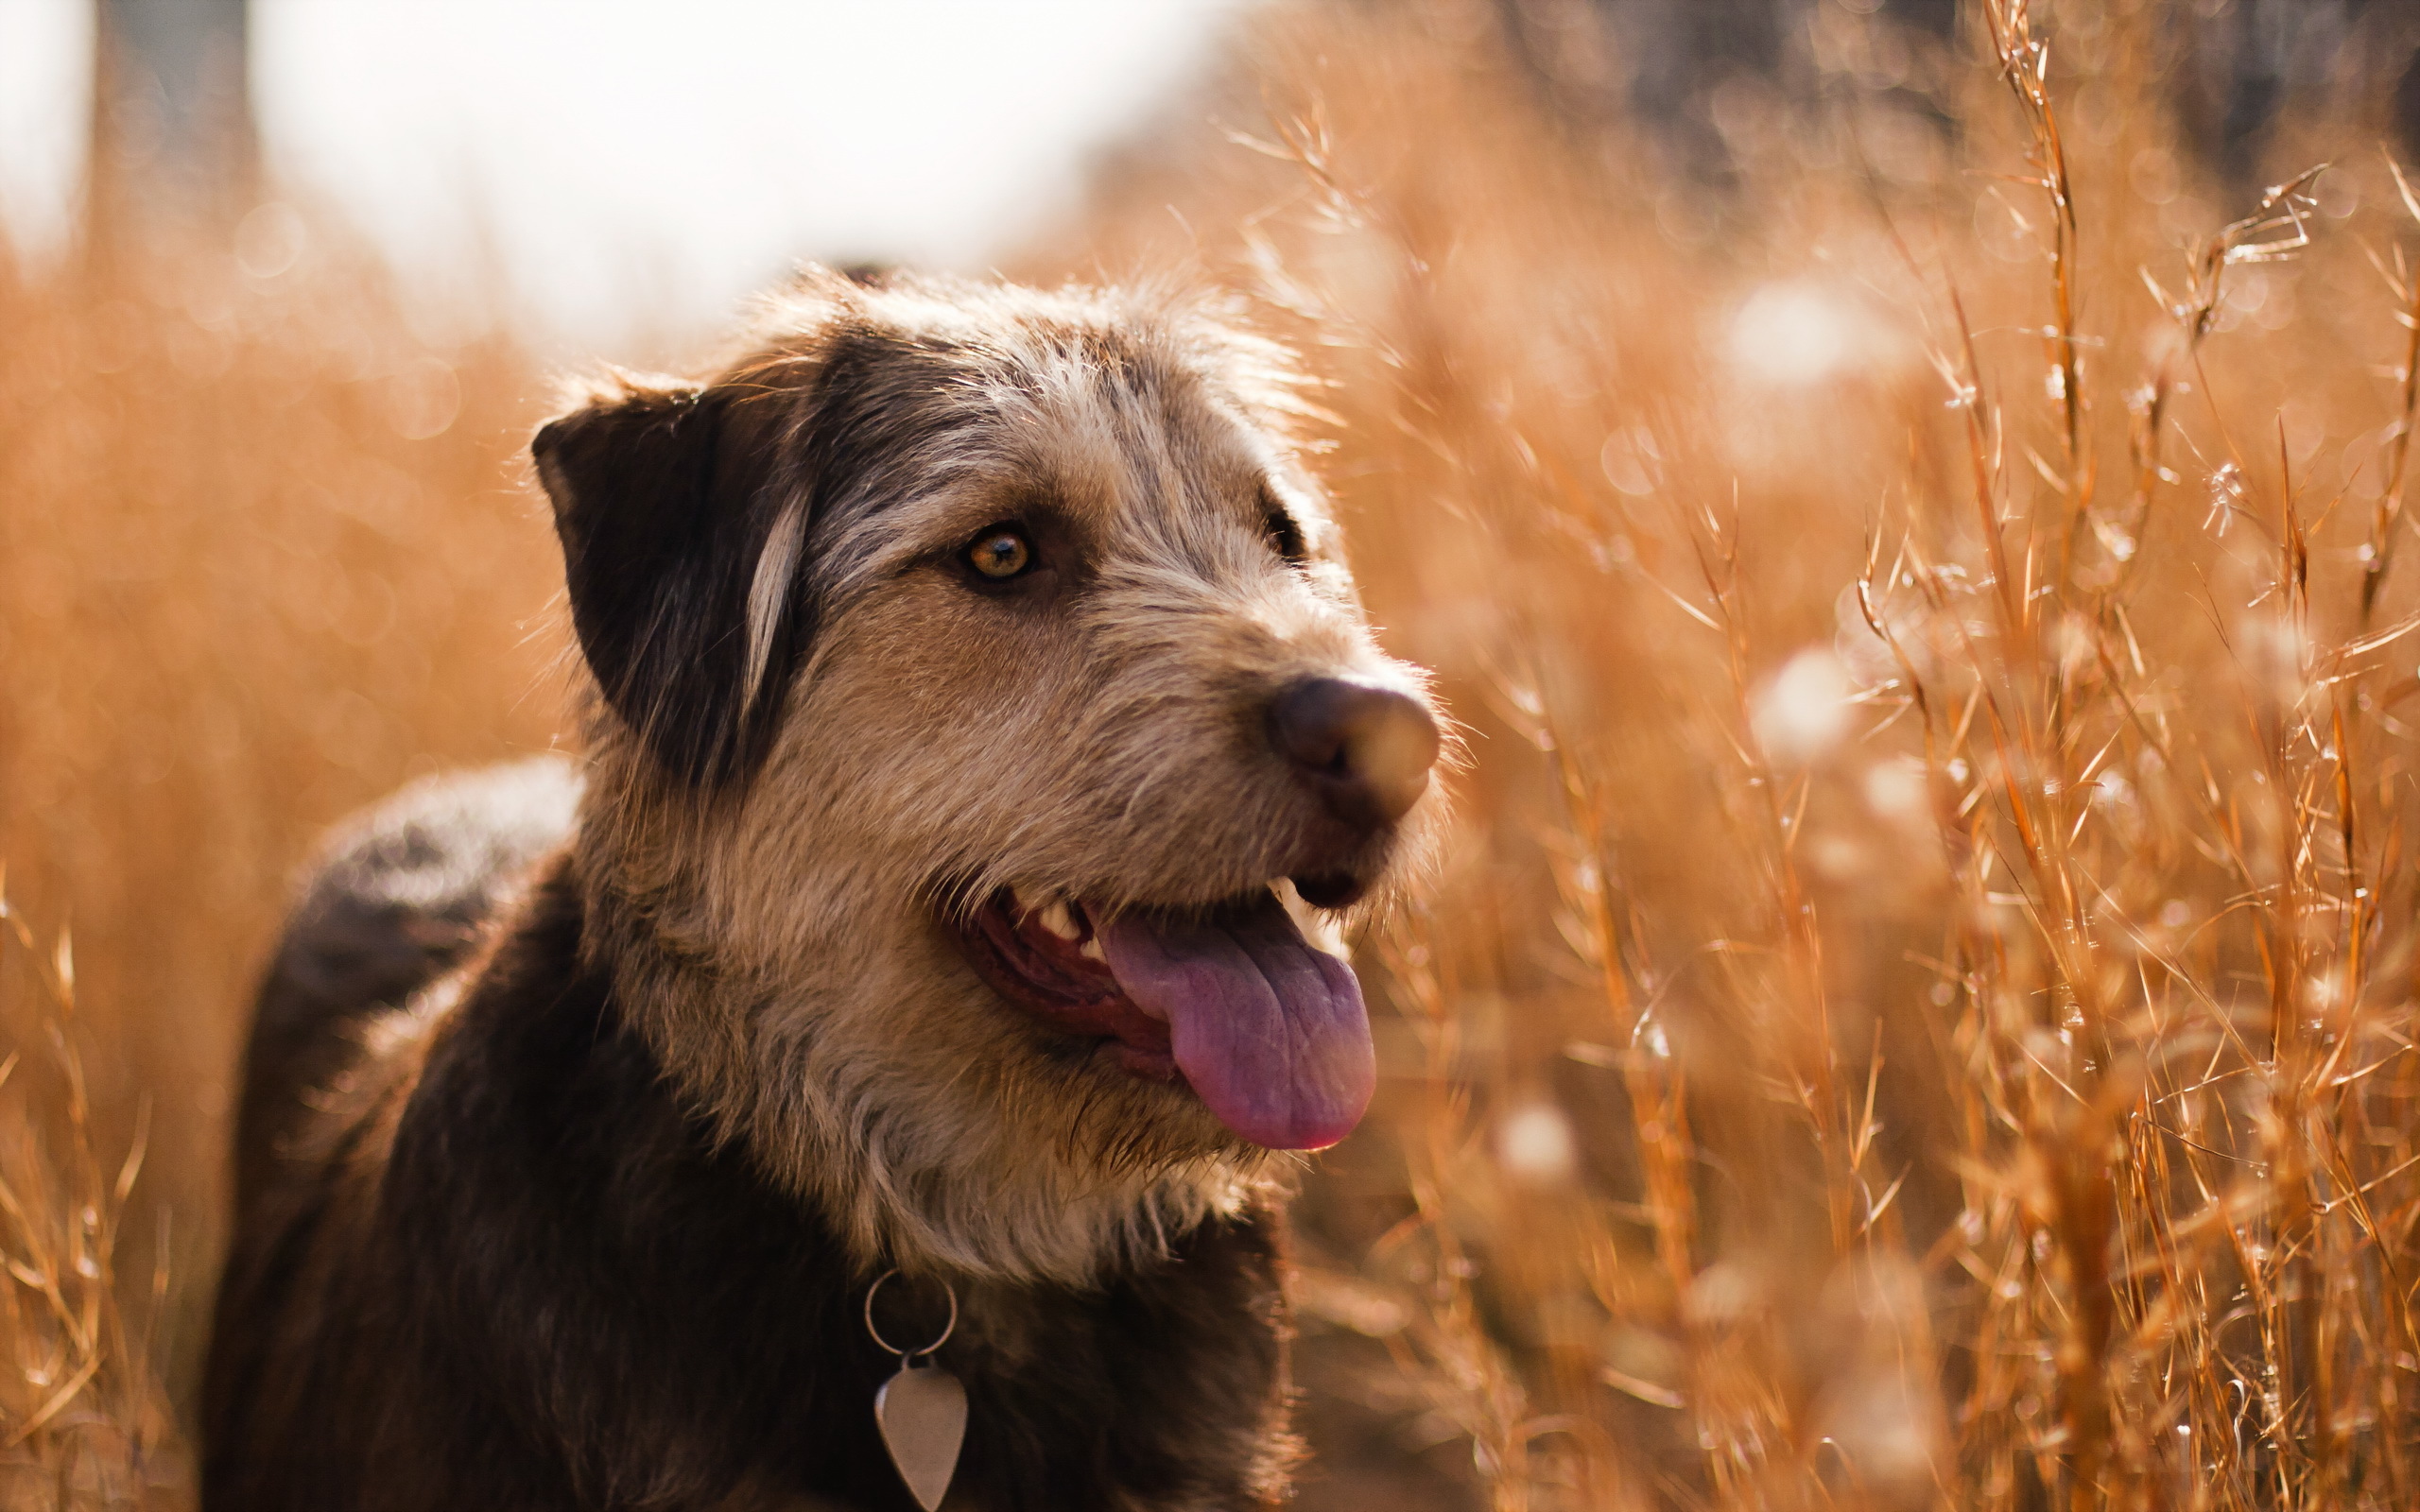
1364,749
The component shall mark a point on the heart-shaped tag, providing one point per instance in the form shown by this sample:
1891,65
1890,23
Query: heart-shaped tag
923,1416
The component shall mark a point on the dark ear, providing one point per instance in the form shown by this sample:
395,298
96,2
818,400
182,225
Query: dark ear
667,500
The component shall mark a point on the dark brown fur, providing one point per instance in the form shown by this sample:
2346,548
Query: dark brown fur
533,1281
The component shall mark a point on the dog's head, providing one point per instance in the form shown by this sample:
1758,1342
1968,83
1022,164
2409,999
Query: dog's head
986,714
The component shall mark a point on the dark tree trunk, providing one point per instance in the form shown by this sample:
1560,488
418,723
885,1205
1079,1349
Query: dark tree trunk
172,125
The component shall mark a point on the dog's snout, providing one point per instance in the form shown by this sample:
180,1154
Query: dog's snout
1364,749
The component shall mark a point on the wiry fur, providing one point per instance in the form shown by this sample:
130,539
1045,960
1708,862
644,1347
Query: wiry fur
789,926
813,741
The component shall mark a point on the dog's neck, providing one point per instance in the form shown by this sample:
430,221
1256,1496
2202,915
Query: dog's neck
904,1181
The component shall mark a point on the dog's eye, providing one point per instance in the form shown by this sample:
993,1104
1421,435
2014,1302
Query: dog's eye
1284,534
1001,552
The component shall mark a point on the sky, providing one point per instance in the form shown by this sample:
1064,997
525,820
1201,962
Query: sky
610,155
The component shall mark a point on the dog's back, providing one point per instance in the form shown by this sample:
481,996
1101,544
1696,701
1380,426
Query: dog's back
397,898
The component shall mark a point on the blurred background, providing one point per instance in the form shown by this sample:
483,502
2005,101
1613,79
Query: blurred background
1904,493
608,169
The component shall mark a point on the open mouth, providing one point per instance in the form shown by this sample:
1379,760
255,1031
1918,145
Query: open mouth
1268,1030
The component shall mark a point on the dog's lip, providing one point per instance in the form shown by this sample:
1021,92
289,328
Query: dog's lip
1059,979
1331,889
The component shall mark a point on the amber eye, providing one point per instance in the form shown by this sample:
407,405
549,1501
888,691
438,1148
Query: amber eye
1001,552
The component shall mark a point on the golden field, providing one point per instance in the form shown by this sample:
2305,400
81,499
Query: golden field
1917,1007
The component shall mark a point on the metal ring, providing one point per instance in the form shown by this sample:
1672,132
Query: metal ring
947,1329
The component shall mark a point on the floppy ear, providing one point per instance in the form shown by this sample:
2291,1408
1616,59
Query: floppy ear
681,555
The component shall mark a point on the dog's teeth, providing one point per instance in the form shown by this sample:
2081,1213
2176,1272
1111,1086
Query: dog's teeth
1057,920
1090,950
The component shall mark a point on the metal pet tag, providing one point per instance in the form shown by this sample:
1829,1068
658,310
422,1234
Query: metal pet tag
921,1411
923,1414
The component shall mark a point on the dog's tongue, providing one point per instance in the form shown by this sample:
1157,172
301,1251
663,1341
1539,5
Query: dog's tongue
1269,1032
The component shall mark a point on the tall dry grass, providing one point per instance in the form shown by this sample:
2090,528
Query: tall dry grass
83,1419
1918,1010
264,554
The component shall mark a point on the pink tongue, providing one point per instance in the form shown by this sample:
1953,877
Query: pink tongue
1269,1032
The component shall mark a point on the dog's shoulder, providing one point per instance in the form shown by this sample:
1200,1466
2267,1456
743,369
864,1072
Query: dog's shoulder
396,897
406,880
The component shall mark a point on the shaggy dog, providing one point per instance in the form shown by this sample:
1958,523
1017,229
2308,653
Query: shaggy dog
987,743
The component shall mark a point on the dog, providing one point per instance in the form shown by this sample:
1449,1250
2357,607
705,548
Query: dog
935,950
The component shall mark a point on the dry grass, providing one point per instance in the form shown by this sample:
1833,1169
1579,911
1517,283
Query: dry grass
83,1420
1919,1012
264,555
